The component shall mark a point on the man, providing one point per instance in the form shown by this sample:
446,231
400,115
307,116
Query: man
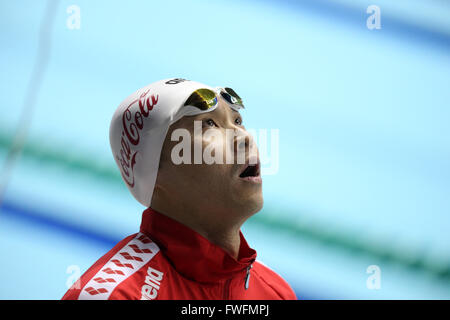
172,143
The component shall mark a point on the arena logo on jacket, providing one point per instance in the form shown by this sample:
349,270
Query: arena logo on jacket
127,261
152,283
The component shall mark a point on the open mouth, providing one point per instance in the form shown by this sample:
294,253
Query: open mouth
252,172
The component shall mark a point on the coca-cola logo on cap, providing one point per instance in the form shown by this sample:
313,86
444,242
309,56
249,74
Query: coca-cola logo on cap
132,125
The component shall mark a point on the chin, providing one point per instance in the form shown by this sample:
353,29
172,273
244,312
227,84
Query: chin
252,204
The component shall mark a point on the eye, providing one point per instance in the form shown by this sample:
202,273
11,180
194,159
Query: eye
238,121
210,123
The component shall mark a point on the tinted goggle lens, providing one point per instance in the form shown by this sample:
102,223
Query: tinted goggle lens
205,99
231,96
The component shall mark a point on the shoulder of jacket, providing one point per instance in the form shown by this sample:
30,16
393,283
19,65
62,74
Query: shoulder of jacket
110,272
274,280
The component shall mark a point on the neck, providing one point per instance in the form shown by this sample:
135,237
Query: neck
214,225
226,238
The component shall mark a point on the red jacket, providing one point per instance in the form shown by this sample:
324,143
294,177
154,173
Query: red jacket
168,260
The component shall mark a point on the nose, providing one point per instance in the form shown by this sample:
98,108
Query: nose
244,143
241,140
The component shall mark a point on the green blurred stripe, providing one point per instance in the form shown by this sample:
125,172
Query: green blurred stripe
356,245
70,161
340,239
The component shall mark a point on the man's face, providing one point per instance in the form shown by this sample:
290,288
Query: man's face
229,185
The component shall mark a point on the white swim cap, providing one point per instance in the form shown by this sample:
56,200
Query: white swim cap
139,126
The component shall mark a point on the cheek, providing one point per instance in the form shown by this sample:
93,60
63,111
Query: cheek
213,136
208,180
215,144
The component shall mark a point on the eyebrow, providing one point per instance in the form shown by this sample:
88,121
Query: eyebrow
204,115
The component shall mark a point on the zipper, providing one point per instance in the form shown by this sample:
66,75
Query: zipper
247,276
226,289
226,292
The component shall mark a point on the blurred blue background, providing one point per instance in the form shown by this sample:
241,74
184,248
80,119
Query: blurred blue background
363,119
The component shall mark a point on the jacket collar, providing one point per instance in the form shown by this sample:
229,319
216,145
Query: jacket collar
191,254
